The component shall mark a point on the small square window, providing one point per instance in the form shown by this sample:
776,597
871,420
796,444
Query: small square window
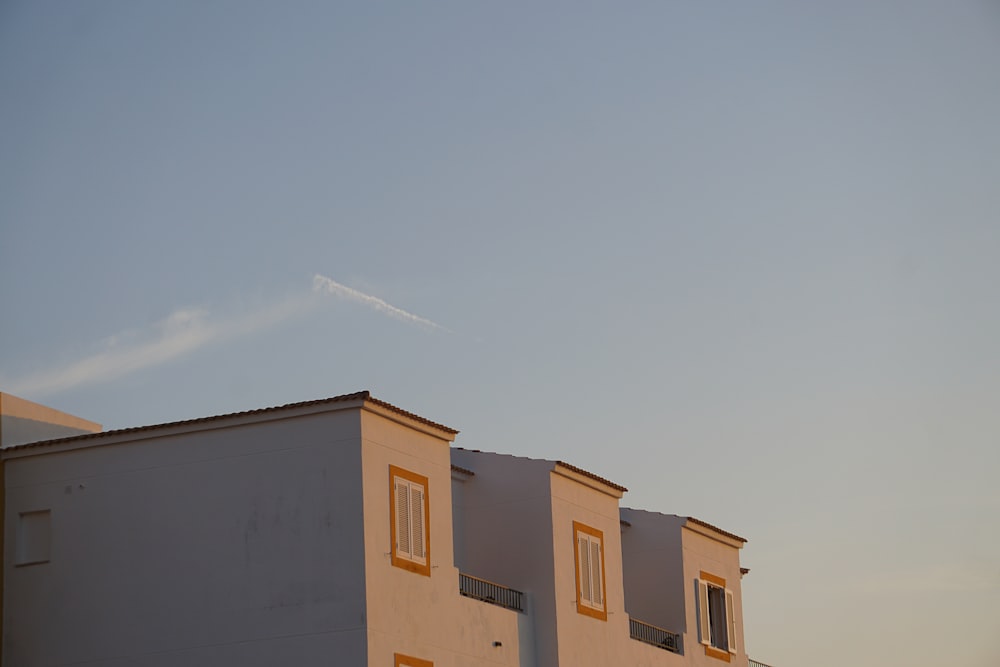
34,537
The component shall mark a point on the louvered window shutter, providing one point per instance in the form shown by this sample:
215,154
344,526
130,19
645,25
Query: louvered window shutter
417,521
595,578
731,617
402,518
704,631
585,584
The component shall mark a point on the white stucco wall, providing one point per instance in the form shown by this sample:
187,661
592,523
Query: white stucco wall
653,567
518,531
506,534
718,556
583,640
237,542
409,613
264,539
664,555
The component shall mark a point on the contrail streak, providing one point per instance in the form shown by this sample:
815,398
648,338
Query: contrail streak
185,331
324,284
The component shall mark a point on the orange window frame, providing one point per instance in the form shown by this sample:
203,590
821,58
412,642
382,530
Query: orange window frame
712,651
400,660
398,560
581,608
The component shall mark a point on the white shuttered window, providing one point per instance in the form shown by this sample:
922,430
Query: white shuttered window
590,571
410,535
589,544
410,520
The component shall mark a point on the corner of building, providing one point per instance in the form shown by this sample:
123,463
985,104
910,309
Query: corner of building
23,421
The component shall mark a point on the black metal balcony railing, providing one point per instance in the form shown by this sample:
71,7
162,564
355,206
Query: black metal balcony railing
487,591
755,663
644,632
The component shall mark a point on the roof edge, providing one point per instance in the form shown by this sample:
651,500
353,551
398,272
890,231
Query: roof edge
362,397
568,470
576,472
719,531
388,407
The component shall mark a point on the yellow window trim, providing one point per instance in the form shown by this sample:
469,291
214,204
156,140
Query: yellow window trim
711,651
600,614
718,581
401,660
717,653
400,562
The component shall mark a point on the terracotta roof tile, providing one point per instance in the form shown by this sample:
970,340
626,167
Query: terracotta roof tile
716,529
591,475
411,415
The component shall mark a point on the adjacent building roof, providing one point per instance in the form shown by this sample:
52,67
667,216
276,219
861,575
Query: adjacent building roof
568,466
23,421
357,396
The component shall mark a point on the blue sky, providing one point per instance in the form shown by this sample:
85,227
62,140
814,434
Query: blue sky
742,259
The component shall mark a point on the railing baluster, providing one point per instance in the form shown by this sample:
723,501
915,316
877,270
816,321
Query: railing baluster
487,591
658,637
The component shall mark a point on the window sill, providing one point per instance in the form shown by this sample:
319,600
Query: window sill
718,653
411,566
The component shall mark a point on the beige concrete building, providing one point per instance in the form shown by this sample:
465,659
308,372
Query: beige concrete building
22,421
345,531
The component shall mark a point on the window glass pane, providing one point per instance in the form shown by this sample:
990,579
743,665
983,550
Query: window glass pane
717,616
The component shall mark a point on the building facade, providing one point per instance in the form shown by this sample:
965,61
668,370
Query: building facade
345,531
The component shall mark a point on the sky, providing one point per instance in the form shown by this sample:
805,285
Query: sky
742,258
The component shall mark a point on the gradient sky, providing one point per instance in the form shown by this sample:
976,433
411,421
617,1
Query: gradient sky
743,258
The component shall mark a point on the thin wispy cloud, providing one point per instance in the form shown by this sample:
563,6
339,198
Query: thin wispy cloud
326,285
180,333
186,330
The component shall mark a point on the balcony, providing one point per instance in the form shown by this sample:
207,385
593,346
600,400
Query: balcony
756,663
487,591
658,637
